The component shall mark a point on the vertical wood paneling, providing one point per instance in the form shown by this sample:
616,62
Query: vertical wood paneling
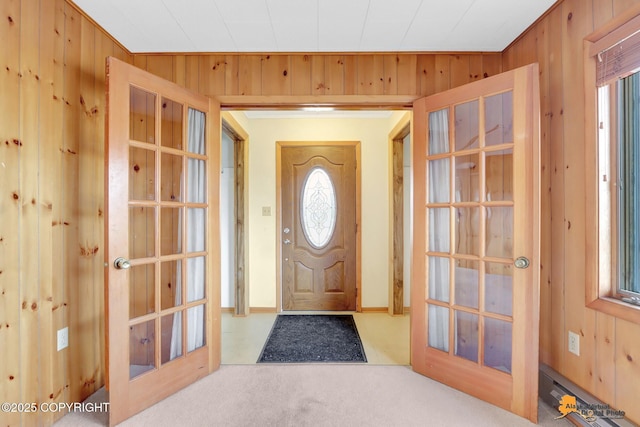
82,329
61,314
390,77
192,73
442,73
627,365
51,114
350,77
491,65
301,75
459,70
160,65
43,121
179,70
334,75
212,74
232,74
605,357
577,23
607,366
475,67
249,81
370,74
28,202
318,74
558,348
275,75
70,217
620,6
426,73
50,373
406,74
10,374
602,12
104,49
542,35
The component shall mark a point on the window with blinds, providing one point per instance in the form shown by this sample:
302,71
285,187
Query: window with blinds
618,82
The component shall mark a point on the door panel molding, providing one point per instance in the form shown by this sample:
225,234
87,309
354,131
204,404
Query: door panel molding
279,225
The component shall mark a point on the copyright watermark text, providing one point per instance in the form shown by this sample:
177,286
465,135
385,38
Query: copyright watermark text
54,407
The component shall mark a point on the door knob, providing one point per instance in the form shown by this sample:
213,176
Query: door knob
521,262
287,242
121,263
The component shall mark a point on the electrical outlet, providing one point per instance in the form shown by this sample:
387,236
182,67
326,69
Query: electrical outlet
574,343
266,211
63,338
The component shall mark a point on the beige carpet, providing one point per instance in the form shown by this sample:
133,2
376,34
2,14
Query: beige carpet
317,395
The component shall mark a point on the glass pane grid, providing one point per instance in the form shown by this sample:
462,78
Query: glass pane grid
162,205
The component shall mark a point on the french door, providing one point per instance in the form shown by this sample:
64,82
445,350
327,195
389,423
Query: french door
162,232
475,288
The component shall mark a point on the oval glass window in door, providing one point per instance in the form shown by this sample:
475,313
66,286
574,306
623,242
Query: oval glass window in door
318,208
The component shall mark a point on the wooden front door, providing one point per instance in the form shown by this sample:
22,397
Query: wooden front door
318,235
475,291
162,260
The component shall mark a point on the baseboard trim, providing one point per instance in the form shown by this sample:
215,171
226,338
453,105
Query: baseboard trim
375,310
273,310
262,310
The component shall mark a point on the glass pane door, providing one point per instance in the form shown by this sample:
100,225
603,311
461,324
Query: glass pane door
167,230
470,230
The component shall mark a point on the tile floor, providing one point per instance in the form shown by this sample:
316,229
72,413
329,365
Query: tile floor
385,338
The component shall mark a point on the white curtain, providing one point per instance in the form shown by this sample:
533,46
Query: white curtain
196,192
438,241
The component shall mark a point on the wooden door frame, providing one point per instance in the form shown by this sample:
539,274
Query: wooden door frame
396,214
279,146
241,196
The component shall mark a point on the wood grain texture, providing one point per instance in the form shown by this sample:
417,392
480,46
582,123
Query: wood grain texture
321,74
603,367
27,202
10,337
53,90
330,74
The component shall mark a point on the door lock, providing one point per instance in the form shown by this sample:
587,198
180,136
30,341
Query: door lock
287,242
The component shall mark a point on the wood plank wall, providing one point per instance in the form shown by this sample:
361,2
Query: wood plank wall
51,183
609,361
321,74
51,204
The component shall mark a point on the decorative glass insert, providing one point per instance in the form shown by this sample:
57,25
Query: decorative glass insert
318,208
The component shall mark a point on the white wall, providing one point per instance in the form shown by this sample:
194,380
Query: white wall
373,135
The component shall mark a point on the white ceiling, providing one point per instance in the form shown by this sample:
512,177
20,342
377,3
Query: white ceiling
230,26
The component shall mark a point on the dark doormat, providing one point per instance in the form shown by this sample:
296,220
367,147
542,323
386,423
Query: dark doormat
303,338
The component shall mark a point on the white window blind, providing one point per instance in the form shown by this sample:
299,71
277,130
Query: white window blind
618,61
